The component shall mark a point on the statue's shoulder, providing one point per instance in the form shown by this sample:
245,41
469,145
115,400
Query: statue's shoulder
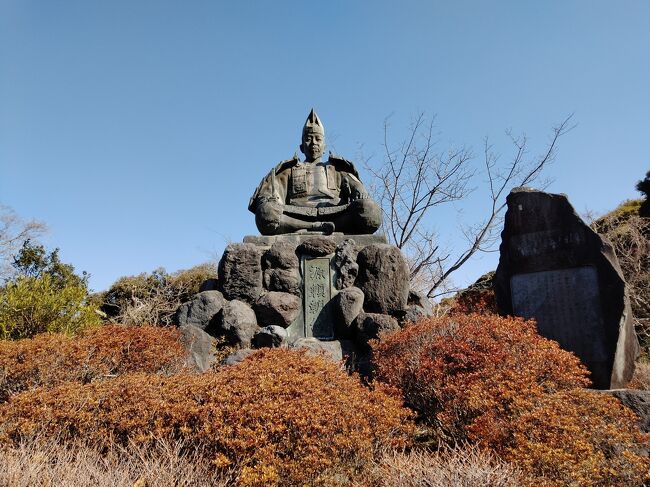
269,185
344,165
286,164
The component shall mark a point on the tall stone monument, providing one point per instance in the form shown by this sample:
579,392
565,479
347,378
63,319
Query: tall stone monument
556,269
317,276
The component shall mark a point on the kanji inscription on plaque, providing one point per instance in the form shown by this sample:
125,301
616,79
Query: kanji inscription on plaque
566,305
317,293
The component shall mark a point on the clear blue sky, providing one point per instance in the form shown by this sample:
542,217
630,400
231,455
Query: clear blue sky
137,130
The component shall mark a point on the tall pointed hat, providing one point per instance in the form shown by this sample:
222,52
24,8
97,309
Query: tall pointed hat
313,125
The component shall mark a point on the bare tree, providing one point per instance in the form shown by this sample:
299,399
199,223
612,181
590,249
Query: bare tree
415,176
14,231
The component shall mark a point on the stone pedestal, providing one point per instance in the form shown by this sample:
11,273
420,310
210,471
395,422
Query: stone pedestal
556,269
298,238
315,267
311,289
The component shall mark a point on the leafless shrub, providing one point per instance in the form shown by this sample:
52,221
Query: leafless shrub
14,231
49,464
416,176
629,234
462,467
153,298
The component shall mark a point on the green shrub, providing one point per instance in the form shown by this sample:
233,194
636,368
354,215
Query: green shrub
281,417
32,305
44,296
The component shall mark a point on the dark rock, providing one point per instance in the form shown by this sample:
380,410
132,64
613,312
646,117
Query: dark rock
276,308
240,272
317,247
413,314
418,307
238,357
201,310
371,325
237,323
270,337
416,298
638,401
556,269
283,280
200,347
337,350
364,365
383,278
347,269
347,305
209,285
483,283
281,268
281,255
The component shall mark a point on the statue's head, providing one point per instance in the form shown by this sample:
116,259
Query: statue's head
313,138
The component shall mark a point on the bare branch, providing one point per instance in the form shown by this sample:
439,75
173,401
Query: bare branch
415,177
14,231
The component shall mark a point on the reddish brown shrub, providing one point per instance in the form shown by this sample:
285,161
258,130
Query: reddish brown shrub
477,298
463,372
280,417
481,301
478,378
47,360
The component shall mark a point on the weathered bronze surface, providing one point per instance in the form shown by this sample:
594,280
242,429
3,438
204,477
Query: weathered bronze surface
317,293
314,195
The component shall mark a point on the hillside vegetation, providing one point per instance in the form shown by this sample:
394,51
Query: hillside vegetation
629,234
487,393
95,390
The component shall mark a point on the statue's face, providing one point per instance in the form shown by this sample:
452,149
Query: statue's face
313,146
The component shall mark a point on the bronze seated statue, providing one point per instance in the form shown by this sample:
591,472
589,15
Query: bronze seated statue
314,195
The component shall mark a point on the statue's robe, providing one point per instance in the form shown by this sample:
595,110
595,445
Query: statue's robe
298,184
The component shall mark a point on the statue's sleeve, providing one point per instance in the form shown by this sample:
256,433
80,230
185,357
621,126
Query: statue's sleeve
357,189
273,187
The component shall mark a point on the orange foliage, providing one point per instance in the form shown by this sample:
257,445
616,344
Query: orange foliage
280,417
579,437
47,360
475,301
479,378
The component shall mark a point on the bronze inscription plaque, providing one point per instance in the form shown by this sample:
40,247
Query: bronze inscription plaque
317,293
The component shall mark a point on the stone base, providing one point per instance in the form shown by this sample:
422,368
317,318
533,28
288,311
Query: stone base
331,292
298,238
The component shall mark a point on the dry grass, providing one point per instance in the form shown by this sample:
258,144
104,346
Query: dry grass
462,467
37,464
641,379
